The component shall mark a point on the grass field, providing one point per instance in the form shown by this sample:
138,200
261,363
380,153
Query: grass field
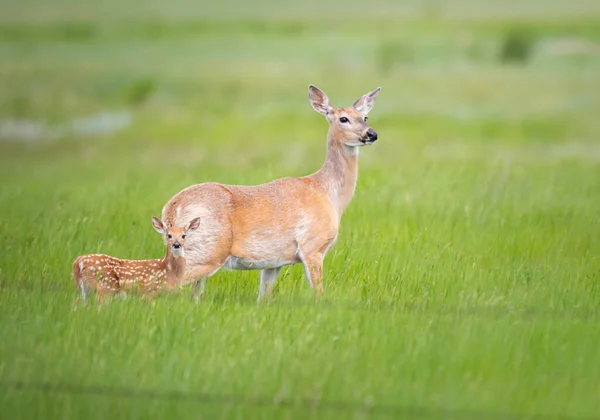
465,282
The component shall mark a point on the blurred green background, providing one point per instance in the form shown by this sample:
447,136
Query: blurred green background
464,282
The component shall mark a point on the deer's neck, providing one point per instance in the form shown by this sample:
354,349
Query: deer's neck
175,267
338,175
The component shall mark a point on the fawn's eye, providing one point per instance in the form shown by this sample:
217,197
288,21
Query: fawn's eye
343,120
169,236
366,118
182,236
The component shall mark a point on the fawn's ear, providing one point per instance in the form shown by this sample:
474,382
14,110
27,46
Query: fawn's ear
318,100
193,225
365,102
158,224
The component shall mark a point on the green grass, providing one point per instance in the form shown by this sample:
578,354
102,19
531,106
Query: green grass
465,282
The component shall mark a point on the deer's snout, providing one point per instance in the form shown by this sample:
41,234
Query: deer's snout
372,135
176,245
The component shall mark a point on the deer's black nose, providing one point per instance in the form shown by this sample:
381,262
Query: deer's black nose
176,245
372,135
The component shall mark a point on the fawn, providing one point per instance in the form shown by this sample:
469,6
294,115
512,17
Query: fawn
286,221
110,276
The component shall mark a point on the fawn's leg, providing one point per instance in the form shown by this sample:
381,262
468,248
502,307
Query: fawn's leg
84,291
268,278
102,295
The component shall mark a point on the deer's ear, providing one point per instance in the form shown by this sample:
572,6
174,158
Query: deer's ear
318,100
158,224
365,102
193,225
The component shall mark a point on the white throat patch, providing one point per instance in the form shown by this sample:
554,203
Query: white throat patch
178,252
352,149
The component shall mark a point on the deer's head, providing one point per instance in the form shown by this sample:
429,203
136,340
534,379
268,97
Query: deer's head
347,125
175,235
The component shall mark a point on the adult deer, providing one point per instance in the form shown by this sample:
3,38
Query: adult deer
286,221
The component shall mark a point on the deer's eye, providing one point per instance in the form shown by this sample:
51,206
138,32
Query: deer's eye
182,236
366,118
343,120
169,236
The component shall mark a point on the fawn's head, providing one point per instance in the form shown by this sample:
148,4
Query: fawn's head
347,125
175,235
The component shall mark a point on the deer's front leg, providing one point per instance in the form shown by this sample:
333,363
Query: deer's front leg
313,270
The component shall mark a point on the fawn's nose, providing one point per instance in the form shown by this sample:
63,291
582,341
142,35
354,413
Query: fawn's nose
176,245
372,135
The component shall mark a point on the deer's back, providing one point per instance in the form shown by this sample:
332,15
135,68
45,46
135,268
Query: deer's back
139,269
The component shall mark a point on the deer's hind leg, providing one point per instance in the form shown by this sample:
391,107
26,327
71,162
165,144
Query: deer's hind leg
85,288
85,280
207,253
